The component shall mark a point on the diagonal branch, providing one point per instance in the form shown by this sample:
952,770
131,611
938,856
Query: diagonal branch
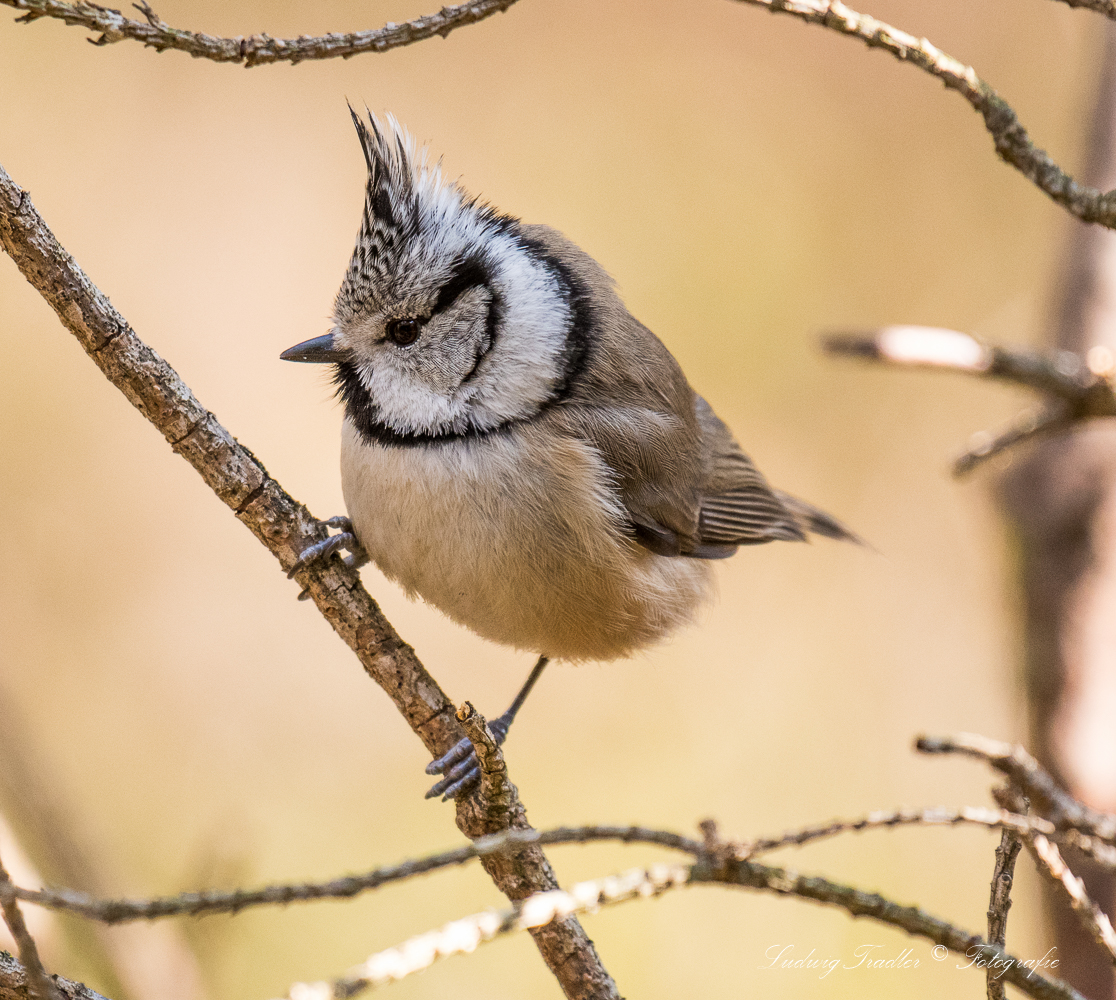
254,50
463,936
1012,142
1025,773
1093,918
15,983
285,527
38,979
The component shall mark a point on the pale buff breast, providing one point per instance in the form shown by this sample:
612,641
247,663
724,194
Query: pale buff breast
520,538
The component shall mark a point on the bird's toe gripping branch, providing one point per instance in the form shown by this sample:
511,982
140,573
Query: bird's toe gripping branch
344,539
460,768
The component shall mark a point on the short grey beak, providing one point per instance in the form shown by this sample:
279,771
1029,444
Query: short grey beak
319,351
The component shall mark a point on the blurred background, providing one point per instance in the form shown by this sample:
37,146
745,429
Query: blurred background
750,182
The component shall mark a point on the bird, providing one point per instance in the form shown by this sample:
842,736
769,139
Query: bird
517,449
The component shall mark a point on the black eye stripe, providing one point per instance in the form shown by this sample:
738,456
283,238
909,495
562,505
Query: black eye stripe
468,274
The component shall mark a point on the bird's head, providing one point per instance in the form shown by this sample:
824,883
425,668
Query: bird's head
449,320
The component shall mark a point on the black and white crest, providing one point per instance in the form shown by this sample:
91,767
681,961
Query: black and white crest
452,319
414,220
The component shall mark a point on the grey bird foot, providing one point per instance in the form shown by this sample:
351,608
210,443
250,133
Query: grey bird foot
345,539
459,768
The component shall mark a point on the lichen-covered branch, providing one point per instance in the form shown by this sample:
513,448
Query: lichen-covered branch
285,527
253,50
464,936
1011,140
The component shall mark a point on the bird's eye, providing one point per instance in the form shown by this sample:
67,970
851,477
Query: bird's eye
403,331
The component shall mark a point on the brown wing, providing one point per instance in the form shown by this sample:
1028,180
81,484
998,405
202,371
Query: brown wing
737,505
688,488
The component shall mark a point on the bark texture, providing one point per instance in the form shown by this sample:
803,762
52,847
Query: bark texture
285,527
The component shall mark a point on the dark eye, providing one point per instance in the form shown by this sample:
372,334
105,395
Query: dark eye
403,331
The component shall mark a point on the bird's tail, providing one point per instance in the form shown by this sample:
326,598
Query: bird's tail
817,521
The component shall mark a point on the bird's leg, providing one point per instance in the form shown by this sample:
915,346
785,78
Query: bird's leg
344,539
459,767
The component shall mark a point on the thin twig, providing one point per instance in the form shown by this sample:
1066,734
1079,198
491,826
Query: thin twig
1092,917
1077,389
253,50
115,911
285,527
1028,425
496,791
1011,140
213,901
1003,875
1106,7
38,980
1045,795
463,936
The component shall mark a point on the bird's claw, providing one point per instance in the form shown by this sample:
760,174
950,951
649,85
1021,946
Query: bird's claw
344,539
459,767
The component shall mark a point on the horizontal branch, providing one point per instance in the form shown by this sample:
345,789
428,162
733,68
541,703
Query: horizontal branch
114,911
464,936
1022,770
1077,389
253,50
1011,140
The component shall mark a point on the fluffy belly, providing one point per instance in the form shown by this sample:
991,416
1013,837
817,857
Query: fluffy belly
520,539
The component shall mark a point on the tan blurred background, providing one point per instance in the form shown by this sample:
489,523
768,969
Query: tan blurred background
749,181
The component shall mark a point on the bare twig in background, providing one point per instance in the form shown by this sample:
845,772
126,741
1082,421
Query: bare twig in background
1003,875
1045,796
1106,7
285,527
1078,389
114,911
254,50
1092,917
206,902
463,936
716,868
39,981
149,962
1011,140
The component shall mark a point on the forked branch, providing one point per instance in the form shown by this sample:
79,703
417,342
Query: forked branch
1076,389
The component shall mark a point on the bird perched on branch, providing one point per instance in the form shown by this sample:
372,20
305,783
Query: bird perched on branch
518,449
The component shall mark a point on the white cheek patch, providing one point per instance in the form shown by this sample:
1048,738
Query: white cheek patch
524,366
